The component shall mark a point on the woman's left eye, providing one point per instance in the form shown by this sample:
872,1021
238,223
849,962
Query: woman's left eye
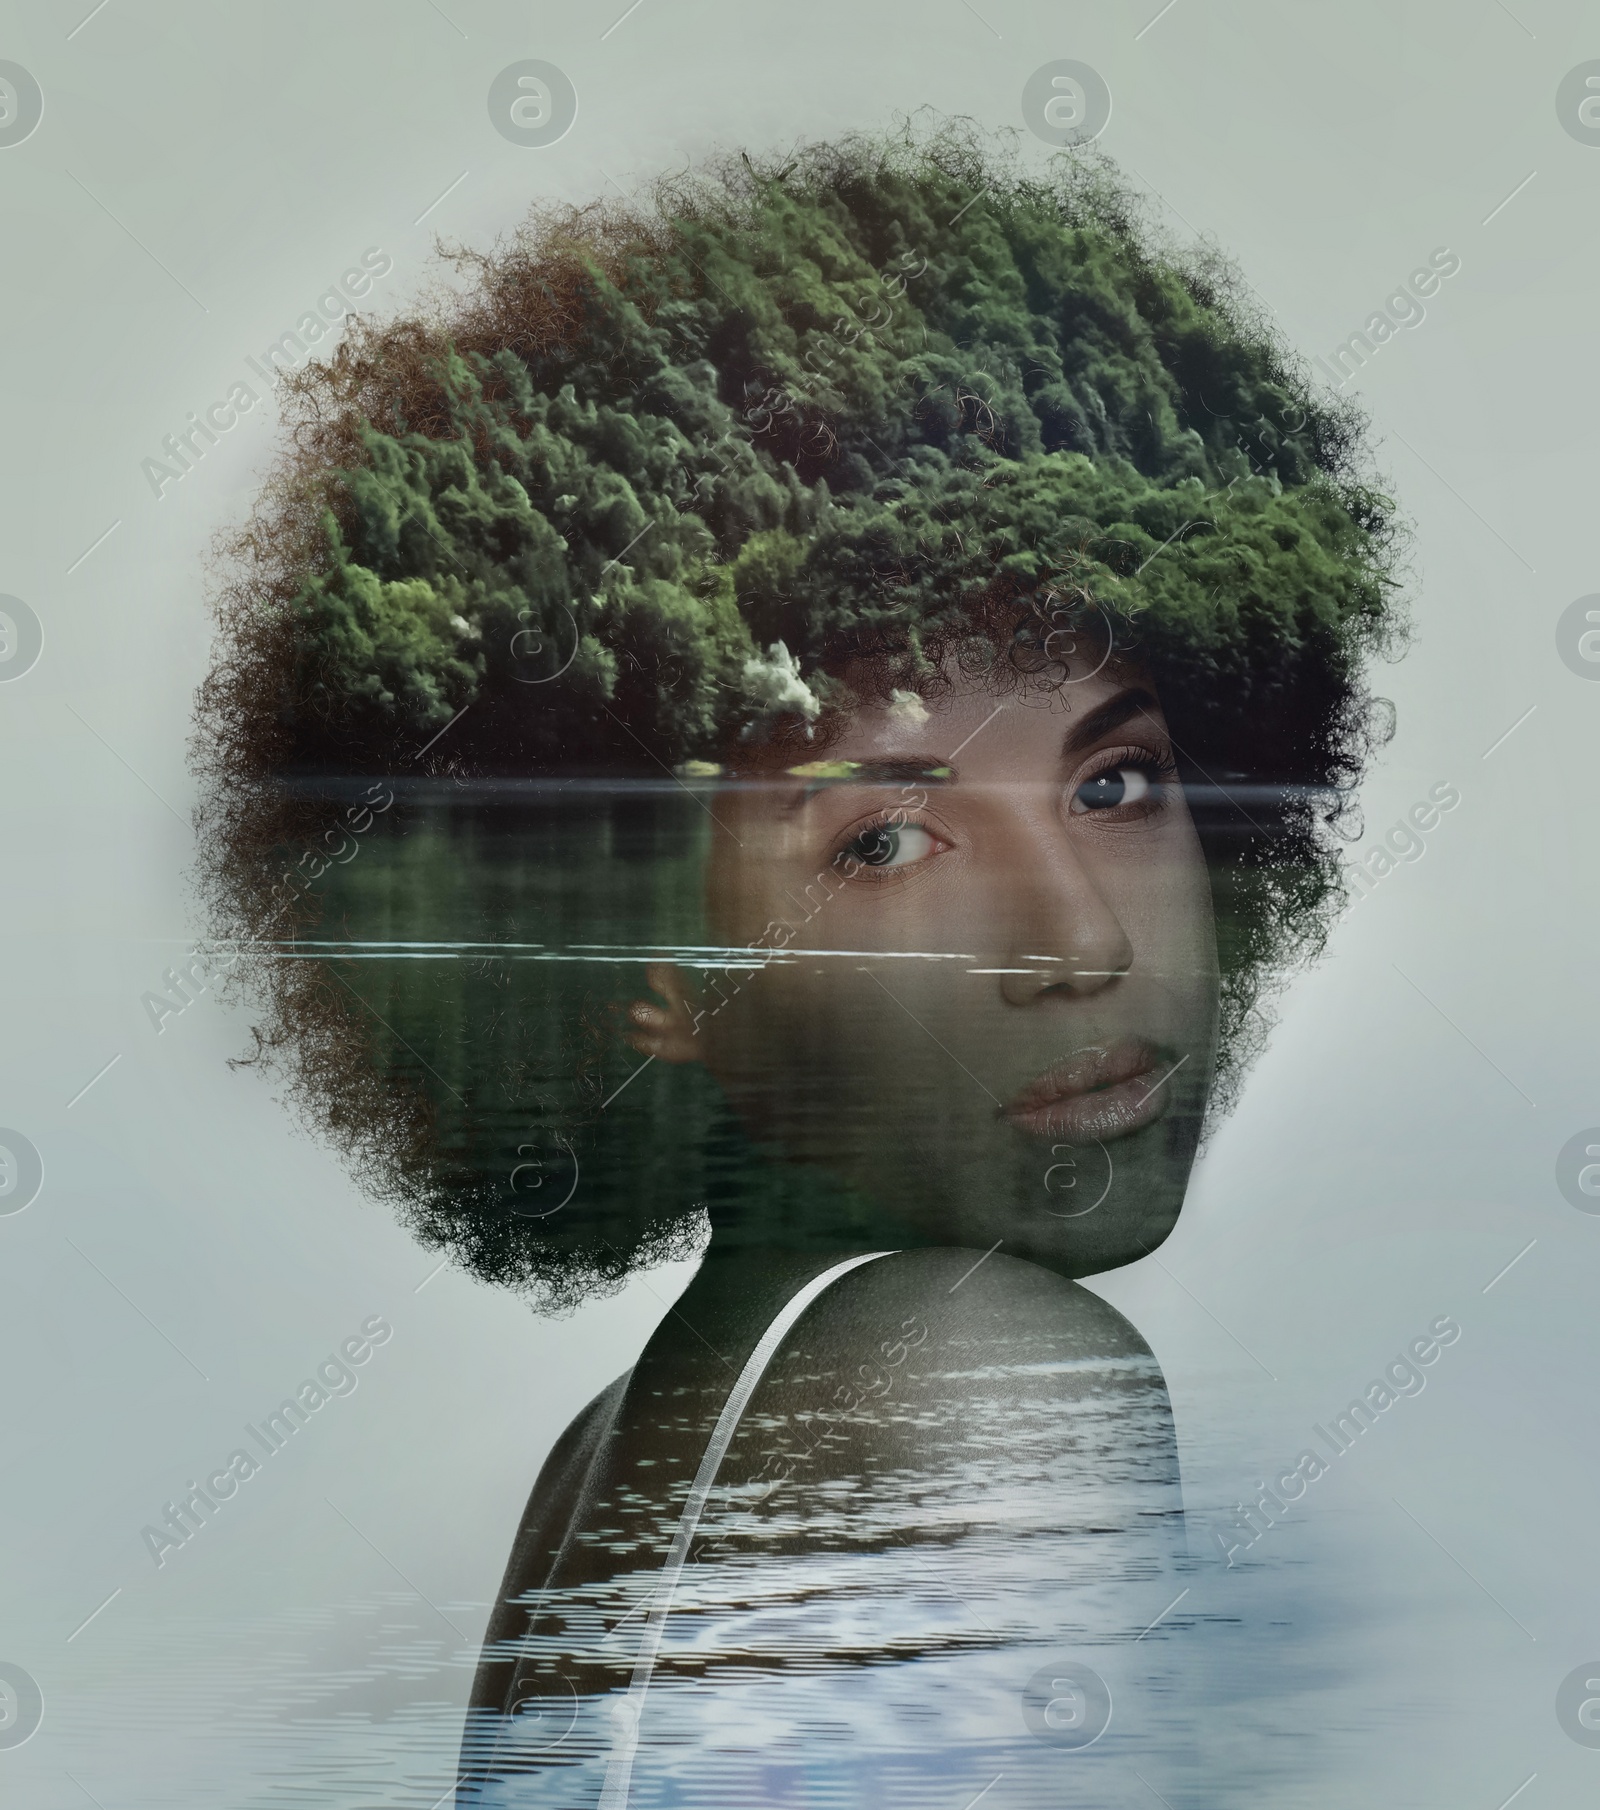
1116,787
890,845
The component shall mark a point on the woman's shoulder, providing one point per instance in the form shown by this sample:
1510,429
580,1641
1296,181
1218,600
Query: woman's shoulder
881,1346
955,1323
946,1376
929,1325
973,1295
735,1302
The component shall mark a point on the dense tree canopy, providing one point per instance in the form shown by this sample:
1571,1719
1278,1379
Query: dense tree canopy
651,482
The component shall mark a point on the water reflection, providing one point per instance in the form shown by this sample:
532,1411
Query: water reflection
953,1486
948,1483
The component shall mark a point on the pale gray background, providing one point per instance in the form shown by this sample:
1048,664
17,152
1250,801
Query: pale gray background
1379,1172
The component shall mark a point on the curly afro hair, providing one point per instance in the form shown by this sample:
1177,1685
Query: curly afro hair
660,485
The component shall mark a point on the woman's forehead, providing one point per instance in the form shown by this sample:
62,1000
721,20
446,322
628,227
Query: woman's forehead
976,726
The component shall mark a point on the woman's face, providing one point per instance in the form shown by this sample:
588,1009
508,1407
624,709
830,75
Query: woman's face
985,995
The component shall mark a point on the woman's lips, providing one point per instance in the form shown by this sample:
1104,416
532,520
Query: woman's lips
1106,1091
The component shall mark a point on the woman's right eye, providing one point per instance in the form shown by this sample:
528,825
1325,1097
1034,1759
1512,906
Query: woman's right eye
884,845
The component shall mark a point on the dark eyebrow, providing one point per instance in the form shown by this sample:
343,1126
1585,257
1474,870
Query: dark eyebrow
1108,716
927,769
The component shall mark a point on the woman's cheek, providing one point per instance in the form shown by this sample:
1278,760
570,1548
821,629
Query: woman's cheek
1166,907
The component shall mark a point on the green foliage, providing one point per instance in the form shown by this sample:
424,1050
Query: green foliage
847,401
653,483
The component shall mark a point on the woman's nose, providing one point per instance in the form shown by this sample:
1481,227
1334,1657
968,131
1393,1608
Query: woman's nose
1063,935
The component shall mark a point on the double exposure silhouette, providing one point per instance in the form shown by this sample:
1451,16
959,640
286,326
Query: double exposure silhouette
801,726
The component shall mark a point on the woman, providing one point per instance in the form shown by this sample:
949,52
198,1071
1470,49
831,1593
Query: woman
989,596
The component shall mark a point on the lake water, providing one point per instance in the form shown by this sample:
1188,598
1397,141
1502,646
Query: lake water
864,1638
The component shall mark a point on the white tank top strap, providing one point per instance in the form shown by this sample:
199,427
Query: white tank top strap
629,1710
